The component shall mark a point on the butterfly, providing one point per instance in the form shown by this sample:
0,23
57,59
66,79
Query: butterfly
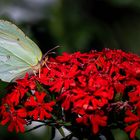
18,53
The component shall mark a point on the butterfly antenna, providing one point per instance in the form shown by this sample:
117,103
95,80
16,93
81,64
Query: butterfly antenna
52,53
49,52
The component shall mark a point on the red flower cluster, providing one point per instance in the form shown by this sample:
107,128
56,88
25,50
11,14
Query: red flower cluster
23,104
91,86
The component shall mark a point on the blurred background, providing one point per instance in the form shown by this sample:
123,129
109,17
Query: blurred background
75,25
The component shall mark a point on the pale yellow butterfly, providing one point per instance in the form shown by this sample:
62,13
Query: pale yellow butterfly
18,53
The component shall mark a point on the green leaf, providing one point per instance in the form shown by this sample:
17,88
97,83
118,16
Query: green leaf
138,133
119,134
61,131
49,133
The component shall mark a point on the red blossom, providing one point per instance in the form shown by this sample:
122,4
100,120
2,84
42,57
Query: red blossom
27,82
133,123
40,108
88,82
95,120
90,85
16,119
17,94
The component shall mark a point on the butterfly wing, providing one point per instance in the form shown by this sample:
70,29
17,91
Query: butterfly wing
18,54
11,74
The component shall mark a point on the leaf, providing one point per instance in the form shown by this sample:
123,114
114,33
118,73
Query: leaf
49,133
138,133
61,131
119,134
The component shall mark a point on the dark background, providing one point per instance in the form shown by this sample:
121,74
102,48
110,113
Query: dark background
75,25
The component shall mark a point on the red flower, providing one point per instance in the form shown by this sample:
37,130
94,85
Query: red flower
40,108
17,94
27,82
64,58
96,120
90,85
16,119
133,123
134,94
